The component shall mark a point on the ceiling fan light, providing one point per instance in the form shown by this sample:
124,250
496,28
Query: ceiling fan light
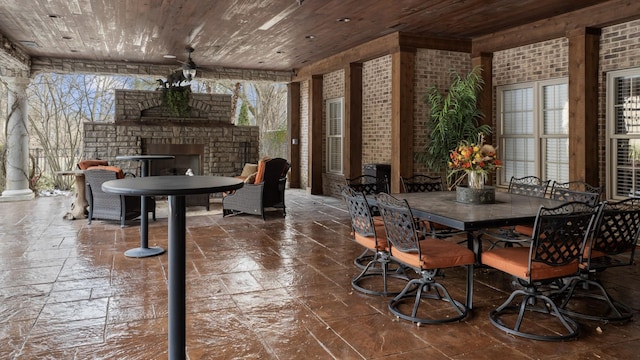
189,74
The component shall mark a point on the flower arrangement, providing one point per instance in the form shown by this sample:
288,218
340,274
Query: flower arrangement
476,160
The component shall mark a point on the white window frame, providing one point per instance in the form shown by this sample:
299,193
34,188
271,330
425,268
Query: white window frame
538,135
612,137
336,168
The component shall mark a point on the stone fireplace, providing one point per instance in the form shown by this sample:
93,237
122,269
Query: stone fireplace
206,141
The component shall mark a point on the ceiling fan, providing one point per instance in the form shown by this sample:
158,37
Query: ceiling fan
188,67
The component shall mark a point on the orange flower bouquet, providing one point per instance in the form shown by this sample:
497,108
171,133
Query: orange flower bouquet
476,160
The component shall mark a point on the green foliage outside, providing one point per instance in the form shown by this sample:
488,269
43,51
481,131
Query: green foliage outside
243,116
176,99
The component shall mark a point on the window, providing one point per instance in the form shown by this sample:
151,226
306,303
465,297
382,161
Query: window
533,130
623,132
334,135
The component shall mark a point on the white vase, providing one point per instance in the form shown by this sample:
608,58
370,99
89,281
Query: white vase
476,179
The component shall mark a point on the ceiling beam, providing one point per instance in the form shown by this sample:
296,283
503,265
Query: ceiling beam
43,64
385,45
13,61
597,16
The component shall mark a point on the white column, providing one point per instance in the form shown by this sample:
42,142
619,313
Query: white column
17,146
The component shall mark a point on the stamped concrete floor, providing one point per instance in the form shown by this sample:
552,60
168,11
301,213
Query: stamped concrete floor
274,289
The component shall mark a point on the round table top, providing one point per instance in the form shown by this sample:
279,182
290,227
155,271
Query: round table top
171,185
145,157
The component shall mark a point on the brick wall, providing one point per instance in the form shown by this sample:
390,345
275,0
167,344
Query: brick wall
376,111
534,62
432,67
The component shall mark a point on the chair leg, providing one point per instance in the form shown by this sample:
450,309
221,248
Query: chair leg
528,306
426,288
611,310
378,267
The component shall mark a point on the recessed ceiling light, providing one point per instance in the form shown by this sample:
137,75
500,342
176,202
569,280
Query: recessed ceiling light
344,19
169,56
310,37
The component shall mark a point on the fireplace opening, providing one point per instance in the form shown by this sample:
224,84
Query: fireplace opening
187,156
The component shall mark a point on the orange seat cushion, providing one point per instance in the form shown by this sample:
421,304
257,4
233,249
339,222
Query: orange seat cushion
260,173
515,261
85,164
436,254
524,230
117,170
370,242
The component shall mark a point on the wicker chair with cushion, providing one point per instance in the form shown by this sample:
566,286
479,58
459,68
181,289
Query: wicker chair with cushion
556,248
268,191
423,300
107,206
613,245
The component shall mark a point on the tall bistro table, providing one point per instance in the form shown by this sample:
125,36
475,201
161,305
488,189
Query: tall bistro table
176,187
509,209
144,250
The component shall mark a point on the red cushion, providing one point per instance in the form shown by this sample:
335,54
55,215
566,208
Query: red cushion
85,164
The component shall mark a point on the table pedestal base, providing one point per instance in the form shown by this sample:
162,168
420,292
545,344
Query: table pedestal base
144,252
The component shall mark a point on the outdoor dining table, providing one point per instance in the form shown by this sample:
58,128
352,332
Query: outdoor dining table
509,209
176,188
144,250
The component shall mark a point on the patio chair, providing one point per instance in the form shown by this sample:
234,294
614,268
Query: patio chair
268,192
418,301
613,245
368,184
108,206
575,191
517,234
371,235
426,183
556,247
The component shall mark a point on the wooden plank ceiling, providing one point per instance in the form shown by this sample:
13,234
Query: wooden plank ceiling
252,34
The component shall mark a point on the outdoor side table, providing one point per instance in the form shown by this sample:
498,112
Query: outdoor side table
79,206
144,250
176,187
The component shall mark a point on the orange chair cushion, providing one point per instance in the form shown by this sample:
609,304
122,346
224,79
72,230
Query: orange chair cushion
85,164
524,230
117,170
515,261
436,254
260,173
370,242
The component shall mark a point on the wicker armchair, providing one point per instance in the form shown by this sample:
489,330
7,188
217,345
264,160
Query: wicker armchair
254,198
110,206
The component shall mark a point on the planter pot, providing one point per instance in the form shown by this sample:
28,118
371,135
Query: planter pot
467,195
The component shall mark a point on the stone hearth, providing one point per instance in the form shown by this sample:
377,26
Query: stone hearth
206,139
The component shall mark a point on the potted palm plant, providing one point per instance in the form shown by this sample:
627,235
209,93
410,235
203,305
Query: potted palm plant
454,118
